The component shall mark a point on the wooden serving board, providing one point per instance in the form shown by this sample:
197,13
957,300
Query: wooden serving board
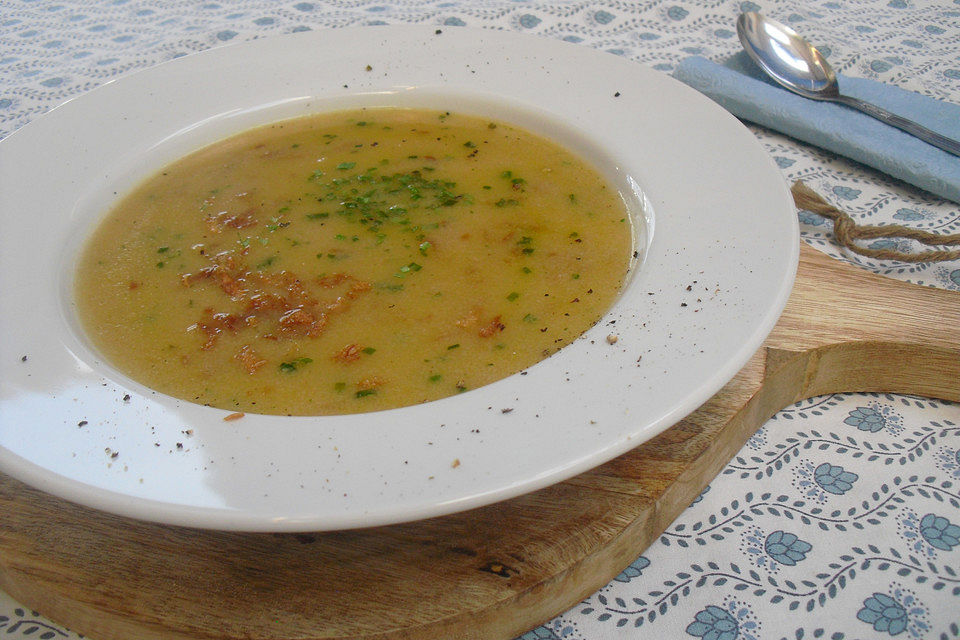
490,573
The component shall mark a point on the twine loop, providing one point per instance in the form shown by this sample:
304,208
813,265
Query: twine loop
847,232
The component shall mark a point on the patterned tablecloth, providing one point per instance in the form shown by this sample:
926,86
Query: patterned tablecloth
840,517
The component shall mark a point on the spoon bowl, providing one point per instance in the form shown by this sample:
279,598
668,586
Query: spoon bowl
798,66
786,57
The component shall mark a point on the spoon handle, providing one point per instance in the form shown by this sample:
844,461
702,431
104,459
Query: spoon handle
941,142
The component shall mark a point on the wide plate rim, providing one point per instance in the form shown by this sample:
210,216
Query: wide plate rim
430,497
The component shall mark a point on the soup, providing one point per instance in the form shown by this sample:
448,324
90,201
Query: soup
353,261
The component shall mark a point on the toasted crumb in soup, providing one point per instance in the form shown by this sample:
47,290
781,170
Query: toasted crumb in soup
353,261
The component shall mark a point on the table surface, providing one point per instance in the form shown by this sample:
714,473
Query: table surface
839,517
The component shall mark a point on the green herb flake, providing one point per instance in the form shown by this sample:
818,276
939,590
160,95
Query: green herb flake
317,216
435,378
275,224
266,263
530,318
453,346
163,249
369,350
339,386
293,365
362,393
346,166
513,296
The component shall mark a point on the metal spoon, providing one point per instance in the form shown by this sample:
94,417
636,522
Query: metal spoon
797,65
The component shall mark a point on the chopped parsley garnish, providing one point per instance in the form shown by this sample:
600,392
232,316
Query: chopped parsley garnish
266,263
275,224
293,365
407,268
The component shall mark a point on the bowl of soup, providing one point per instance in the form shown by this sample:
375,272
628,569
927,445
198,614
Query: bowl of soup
364,276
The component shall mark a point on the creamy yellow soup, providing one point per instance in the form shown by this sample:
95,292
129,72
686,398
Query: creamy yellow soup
353,261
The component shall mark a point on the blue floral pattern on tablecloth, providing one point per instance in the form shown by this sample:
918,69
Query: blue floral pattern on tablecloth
840,518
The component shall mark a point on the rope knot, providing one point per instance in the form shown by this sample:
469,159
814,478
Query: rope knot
847,232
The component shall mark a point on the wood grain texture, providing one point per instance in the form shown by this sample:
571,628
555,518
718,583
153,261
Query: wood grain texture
489,573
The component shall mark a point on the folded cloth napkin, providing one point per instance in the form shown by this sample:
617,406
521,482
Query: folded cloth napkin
740,86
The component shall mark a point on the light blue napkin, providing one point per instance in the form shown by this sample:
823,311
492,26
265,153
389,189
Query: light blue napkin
739,86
